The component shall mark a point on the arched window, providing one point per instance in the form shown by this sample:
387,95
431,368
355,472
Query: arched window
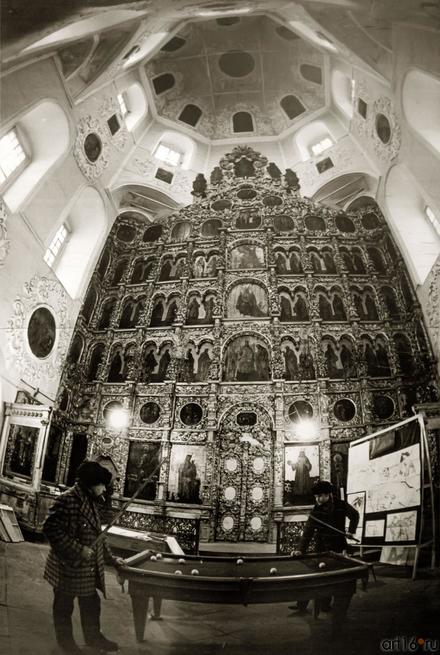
415,234
242,122
86,221
190,115
163,82
182,145
311,73
342,90
46,133
313,139
133,105
421,103
173,44
292,106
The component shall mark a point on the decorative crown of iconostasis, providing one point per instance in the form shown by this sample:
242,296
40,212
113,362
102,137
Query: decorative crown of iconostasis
247,338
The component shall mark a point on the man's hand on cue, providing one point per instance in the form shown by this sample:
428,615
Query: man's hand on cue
86,554
119,561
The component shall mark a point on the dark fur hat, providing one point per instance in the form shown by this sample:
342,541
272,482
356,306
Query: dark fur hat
90,473
322,487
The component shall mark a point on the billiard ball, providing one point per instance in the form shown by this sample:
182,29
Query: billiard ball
239,561
194,572
153,558
181,560
159,556
322,565
177,572
273,571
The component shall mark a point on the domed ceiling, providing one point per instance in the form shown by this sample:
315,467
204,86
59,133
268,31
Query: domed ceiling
233,76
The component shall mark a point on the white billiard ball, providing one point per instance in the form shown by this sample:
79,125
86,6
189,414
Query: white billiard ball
273,571
177,572
153,558
159,556
181,560
239,561
194,572
322,565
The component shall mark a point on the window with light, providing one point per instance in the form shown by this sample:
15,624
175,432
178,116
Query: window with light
12,155
322,145
432,218
56,245
167,155
122,105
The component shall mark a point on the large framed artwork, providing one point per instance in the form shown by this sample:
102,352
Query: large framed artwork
143,459
301,471
187,474
24,443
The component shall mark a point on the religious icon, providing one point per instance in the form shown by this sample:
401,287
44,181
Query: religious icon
20,451
187,469
249,219
41,332
247,256
247,301
143,459
149,412
181,231
246,360
204,364
301,471
191,414
339,467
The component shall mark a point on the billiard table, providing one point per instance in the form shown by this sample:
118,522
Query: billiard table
245,580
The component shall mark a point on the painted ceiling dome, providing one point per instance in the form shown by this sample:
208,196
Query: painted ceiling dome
249,66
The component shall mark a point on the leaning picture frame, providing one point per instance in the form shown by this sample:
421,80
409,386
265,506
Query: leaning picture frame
23,444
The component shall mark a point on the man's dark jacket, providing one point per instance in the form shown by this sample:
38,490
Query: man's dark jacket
334,513
74,522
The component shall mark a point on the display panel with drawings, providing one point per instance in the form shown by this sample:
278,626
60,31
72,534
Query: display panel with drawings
384,484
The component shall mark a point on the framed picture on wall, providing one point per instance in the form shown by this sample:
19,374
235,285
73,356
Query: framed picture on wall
301,471
187,473
23,444
143,458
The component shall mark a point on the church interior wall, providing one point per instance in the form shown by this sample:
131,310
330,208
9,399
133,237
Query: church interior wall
254,268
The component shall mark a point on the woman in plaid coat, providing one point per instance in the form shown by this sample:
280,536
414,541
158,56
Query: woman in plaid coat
73,567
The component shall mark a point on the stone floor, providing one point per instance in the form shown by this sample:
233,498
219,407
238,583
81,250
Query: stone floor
393,606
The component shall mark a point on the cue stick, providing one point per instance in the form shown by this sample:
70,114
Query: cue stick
126,504
332,528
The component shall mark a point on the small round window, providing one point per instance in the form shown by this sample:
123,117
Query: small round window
41,332
92,146
383,128
191,414
149,413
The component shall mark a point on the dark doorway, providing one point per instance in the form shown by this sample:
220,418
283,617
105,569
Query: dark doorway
77,455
